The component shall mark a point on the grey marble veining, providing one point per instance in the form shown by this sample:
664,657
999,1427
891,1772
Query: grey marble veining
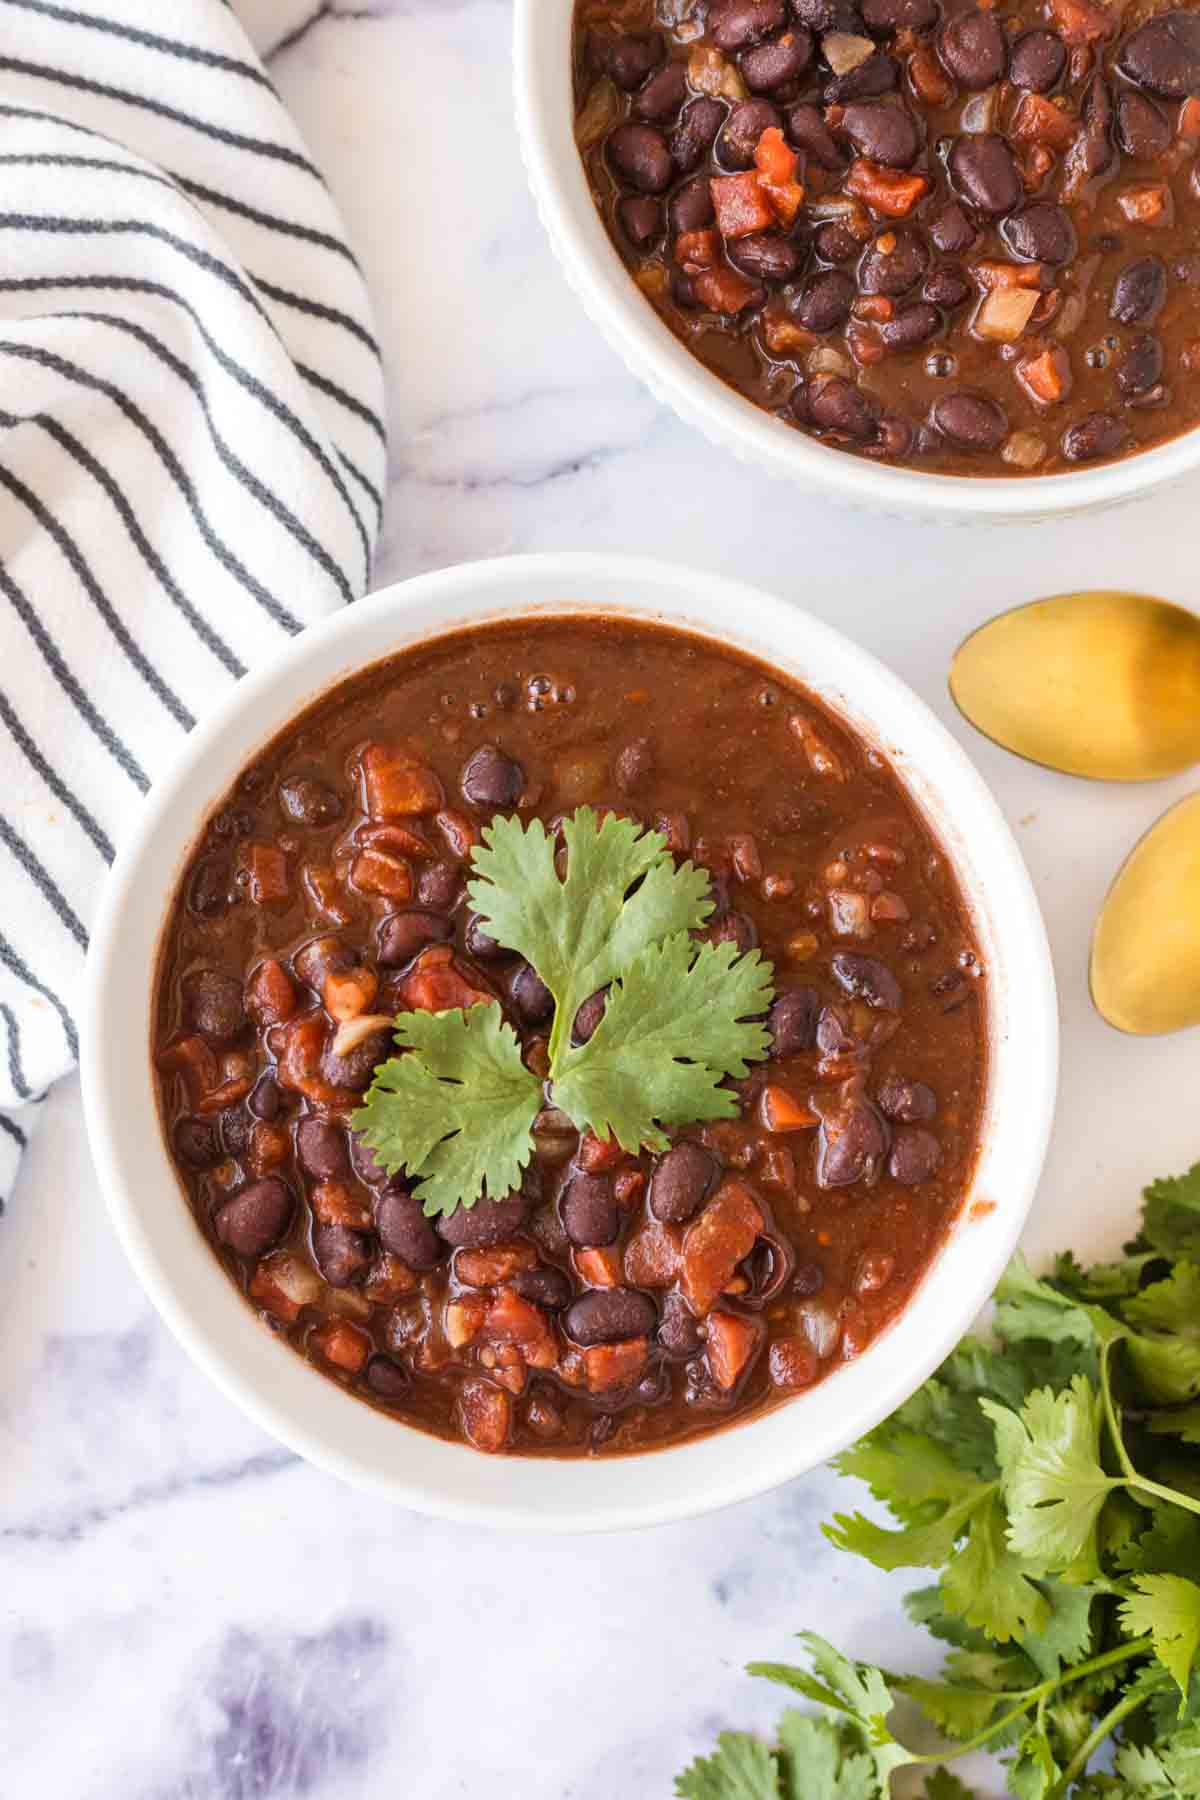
188,1612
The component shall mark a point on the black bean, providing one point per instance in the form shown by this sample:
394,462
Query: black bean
355,1069
386,1378
781,60
305,800
318,958
690,207
899,15
589,1214
834,1036
883,130
736,24
878,74
197,1142
1139,291
835,404
767,256
639,156
678,1333
916,1156
438,885
1141,367
212,1004
265,1099
609,1315
946,287
911,326
634,764
851,1144
985,173
829,15
626,58
971,421
661,97
531,997
550,1288
895,270
343,1256
792,1021
743,128
404,1230
808,1280
402,935
1164,55
256,1218
1038,59
366,1165
1099,434
211,888
823,303
487,1222
682,1179
490,778
1143,129
734,928
691,141
973,48
480,943
236,1126
911,1102
809,132
322,1149
641,219
1040,232
951,230
588,1017
833,243
894,435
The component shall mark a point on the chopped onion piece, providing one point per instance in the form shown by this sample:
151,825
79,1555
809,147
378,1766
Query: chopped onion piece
350,1035
709,73
820,1325
979,113
849,914
825,360
1005,313
1024,450
844,52
600,111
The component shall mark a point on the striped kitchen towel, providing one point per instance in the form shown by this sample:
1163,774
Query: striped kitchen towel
192,453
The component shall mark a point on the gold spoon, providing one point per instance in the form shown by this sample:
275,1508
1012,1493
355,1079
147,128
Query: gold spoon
1103,684
1145,972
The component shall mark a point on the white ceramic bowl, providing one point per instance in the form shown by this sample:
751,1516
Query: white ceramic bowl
275,1386
542,72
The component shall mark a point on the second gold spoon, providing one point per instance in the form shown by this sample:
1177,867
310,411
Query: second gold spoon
1103,684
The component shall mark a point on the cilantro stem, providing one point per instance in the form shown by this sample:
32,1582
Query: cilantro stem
1132,1478
1104,1729
1033,1696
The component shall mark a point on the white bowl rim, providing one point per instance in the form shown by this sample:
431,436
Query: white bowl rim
277,1388
542,85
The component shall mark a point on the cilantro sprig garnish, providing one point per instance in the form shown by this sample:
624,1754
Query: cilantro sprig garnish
456,1110
1050,1476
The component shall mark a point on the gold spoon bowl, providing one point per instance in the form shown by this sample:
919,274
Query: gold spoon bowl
1145,971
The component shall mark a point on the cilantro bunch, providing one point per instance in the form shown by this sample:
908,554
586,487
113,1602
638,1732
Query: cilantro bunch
1051,1476
457,1109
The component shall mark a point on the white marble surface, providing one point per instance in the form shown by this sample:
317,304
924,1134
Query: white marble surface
186,1611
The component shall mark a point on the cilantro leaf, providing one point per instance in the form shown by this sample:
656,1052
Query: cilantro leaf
925,1545
676,1022
1051,1473
741,1768
1166,1352
1029,1308
456,1112
1171,1214
817,1763
985,1584
906,1469
942,1785
1033,1772
1168,1607
621,894
958,1710
856,1689
1181,1422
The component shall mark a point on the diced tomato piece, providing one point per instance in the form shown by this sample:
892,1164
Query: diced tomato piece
1036,163
627,1186
195,1059
486,1414
1039,121
458,834
778,167
396,839
389,1280
434,984
793,1363
507,1365
783,337
341,1344
285,1285
375,872
266,866
484,1268
876,307
781,1111
270,994
298,1046
928,79
732,1342
716,1242
270,1146
615,1365
600,1266
321,886
1081,22
889,909
1149,203
396,784
893,192
463,1320
652,1255
724,290
337,1203
740,204
349,992
697,250
597,1154
1045,378
513,1320
228,1094
1189,118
